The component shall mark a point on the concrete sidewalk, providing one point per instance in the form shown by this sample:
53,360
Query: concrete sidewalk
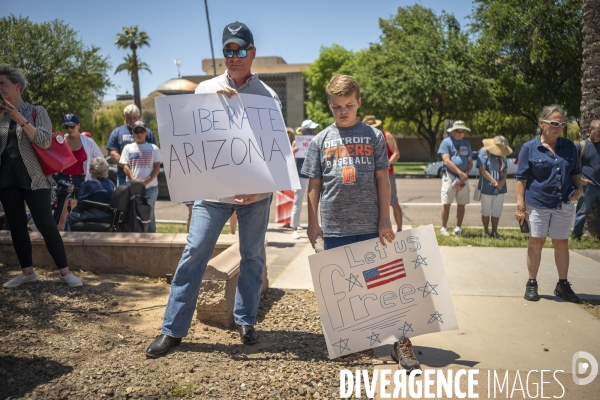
498,328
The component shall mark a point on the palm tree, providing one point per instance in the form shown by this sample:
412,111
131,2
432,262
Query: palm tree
132,38
590,84
129,64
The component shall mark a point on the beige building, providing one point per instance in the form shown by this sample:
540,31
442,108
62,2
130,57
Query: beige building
285,79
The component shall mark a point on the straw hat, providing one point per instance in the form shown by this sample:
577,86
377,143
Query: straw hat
497,146
459,125
371,120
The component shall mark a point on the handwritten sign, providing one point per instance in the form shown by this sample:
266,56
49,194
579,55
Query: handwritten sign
213,146
302,143
370,295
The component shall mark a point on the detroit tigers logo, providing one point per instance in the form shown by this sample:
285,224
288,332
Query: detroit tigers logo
234,31
348,175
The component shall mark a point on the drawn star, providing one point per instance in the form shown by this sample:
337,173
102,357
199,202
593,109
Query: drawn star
406,328
428,289
436,316
420,261
353,280
374,338
342,345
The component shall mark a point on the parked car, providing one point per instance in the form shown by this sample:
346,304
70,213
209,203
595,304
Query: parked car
435,169
163,190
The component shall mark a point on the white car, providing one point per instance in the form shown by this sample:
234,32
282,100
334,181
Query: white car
435,169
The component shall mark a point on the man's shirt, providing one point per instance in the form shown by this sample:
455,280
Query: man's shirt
459,151
590,162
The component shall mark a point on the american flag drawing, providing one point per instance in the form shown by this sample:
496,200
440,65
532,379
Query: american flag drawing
383,274
141,159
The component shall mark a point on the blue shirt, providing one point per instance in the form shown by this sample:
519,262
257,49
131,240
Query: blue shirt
548,175
495,166
459,151
121,137
590,162
100,190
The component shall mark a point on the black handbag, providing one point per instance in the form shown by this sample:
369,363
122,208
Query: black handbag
137,218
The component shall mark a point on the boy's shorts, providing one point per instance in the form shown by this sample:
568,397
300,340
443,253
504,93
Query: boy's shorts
333,242
394,192
492,205
449,193
555,224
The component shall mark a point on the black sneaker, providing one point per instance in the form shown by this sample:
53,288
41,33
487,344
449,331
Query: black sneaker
563,290
403,354
531,291
575,237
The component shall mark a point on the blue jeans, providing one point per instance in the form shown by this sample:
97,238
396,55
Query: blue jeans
79,216
333,242
591,195
208,219
152,194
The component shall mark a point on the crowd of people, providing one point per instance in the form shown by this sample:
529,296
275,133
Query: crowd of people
346,176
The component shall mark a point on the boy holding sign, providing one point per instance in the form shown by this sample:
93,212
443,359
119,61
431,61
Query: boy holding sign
348,168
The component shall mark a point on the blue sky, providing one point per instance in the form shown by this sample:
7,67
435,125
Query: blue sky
294,30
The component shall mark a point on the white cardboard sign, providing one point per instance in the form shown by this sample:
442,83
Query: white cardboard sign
370,295
302,143
213,146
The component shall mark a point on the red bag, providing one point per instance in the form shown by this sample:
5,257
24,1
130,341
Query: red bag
56,157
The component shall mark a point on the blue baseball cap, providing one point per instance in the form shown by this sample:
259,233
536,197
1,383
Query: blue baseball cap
70,120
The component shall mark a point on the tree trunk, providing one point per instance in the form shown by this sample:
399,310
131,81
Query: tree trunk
590,82
136,83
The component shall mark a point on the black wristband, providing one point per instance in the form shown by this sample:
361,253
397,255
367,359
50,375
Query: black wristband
24,124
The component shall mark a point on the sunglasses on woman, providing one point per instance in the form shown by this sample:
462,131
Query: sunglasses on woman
241,53
555,124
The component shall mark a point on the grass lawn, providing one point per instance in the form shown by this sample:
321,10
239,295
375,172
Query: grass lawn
512,238
179,228
409,167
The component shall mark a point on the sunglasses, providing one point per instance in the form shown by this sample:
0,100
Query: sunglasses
241,53
555,124
69,126
459,131
139,131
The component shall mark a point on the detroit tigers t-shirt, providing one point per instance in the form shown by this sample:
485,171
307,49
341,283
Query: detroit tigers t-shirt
345,159
141,159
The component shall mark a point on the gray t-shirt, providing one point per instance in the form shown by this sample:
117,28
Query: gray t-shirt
345,159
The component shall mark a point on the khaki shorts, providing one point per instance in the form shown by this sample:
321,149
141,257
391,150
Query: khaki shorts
555,224
393,191
449,193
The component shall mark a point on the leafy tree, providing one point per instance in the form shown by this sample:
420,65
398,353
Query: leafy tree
422,72
532,49
129,64
132,38
332,60
64,74
107,119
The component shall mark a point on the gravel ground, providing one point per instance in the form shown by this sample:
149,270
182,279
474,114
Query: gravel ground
58,342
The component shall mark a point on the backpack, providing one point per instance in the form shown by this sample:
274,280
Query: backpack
137,211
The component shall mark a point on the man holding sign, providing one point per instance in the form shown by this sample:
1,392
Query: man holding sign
209,217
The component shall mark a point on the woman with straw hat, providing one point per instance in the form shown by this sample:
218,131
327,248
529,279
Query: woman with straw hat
492,181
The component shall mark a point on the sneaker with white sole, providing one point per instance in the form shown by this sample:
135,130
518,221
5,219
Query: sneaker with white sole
444,232
403,354
71,280
458,231
20,279
295,235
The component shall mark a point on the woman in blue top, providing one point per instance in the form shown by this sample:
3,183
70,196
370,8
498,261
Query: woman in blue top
548,185
492,181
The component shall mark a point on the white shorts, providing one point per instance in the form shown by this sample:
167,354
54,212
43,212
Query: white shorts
555,224
492,205
449,193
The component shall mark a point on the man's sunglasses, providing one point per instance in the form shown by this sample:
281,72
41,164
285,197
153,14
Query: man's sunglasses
241,53
555,124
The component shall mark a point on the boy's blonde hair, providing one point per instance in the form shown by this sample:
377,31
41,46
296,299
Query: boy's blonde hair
343,85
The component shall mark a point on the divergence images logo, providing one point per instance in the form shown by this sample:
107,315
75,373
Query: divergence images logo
583,366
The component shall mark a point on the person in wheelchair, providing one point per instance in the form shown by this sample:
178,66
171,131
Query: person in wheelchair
98,189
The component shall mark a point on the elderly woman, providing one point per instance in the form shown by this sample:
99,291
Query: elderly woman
22,180
492,181
548,185
99,188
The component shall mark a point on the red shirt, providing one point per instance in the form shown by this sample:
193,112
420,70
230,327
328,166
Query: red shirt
389,151
77,168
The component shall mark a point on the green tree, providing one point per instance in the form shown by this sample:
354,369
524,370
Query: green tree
332,60
129,64
64,74
105,120
132,38
532,49
422,72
